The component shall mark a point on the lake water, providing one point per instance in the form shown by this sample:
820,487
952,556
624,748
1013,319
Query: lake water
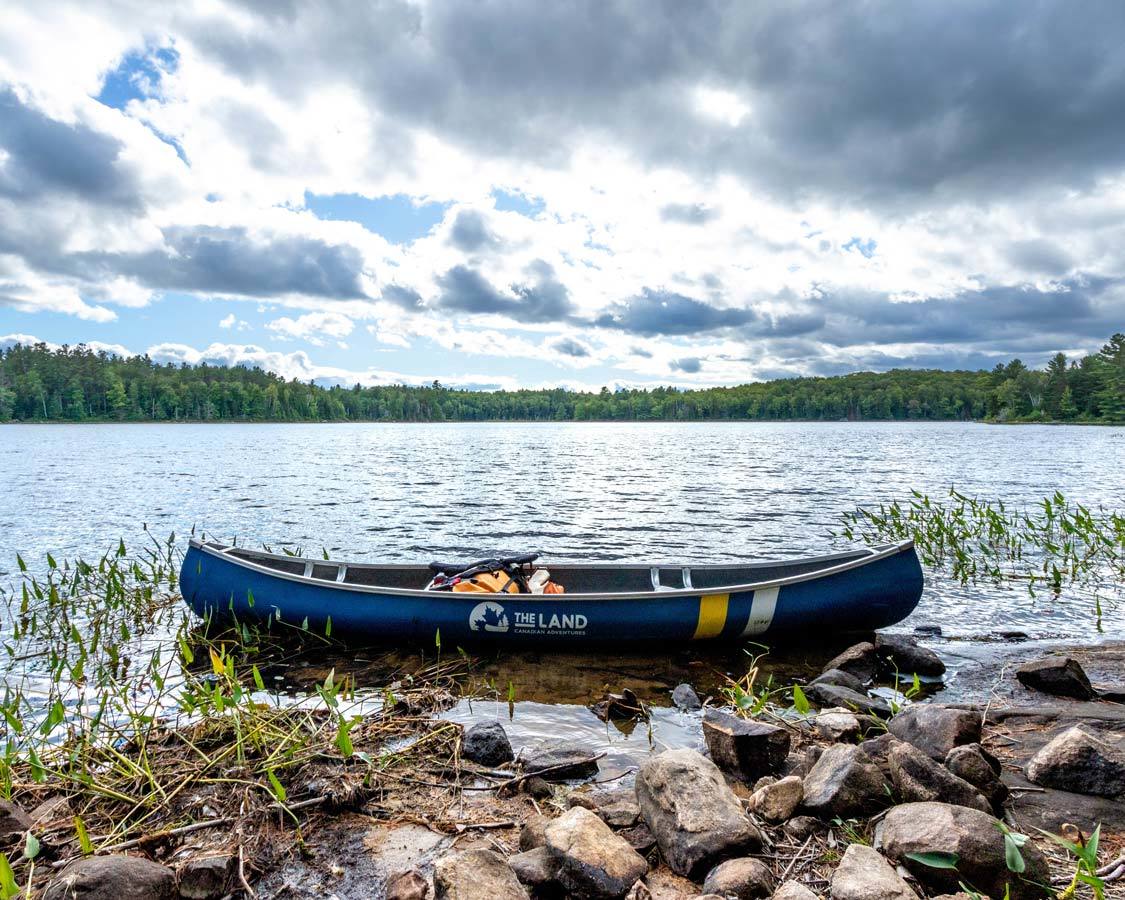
691,492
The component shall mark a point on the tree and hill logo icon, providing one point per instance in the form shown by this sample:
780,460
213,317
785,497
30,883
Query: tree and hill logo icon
489,616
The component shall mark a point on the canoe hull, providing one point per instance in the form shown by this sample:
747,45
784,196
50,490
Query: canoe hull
861,598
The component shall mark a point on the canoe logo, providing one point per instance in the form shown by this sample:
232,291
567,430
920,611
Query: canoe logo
488,616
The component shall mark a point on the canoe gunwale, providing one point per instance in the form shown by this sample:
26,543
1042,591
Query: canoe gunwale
874,554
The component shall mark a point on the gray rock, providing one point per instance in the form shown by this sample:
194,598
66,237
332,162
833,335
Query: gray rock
936,729
639,837
588,859
837,695
1061,676
800,827
1080,762
903,654
207,877
685,697
476,875
408,885
619,814
561,762
13,818
533,867
858,660
981,769
793,890
916,777
113,878
487,743
975,838
844,782
534,833
692,812
837,725
863,874
744,747
879,751
840,677
743,879
777,801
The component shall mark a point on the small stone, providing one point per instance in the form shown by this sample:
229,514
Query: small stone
1077,761
863,874
793,890
836,695
563,762
533,867
487,744
903,654
408,885
620,814
536,787
588,859
639,891
534,833
800,827
207,877
879,751
928,630
763,782
841,678
936,729
742,879
981,769
639,837
858,660
743,747
476,875
685,697
778,801
837,725
13,819
1060,676
844,782
916,777
113,878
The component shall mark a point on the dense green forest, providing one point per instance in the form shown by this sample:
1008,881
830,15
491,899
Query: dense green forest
40,384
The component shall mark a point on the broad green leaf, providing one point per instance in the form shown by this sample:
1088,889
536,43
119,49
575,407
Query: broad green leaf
83,836
800,701
1013,859
30,846
937,859
278,790
8,886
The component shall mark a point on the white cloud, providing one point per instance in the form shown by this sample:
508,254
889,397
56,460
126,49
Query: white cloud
312,327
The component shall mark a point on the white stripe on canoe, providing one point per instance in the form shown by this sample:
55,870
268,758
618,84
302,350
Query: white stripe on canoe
761,611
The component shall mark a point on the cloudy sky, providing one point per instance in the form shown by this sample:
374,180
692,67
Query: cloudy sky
523,194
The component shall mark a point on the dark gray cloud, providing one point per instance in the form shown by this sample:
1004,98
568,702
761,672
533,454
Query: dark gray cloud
546,299
689,365
688,213
407,298
655,312
470,232
1040,256
641,352
570,347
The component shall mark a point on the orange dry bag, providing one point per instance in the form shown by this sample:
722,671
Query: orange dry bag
488,583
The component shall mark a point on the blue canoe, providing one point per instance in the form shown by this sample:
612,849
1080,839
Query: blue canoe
814,598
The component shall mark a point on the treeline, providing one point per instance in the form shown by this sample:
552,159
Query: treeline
39,384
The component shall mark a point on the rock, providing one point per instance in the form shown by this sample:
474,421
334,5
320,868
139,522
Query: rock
487,743
620,814
207,877
639,891
837,725
589,860
936,729
904,655
778,801
1061,676
692,812
639,837
685,697
1077,761
50,810
928,630
800,827
13,818
837,695
844,782
981,769
858,660
916,777
794,890
476,875
742,879
744,747
863,874
878,750
534,833
408,885
841,678
536,787
113,878
562,762
763,782
533,867
975,838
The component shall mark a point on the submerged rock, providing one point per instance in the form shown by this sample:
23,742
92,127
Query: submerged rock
113,878
743,879
1061,676
976,839
936,729
685,697
476,875
777,801
692,812
1077,761
588,859
916,777
844,782
561,762
859,660
487,743
863,874
744,747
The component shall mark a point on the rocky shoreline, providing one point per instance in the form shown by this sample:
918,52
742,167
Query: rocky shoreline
863,796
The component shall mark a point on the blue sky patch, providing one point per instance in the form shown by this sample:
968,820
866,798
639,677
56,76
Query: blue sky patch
507,201
867,248
396,218
138,77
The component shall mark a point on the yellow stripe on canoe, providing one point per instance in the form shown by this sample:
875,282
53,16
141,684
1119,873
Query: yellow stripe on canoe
712,615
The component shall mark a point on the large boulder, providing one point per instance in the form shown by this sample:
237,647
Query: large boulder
476,875
1080,762
916,777
744,747
904,655
974,838
13,818
838,695
692,812
589,860
113,878
981,769
743,879
863,874
559,762
487,743
858,660
778,800
1061,676
844,782
936,729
